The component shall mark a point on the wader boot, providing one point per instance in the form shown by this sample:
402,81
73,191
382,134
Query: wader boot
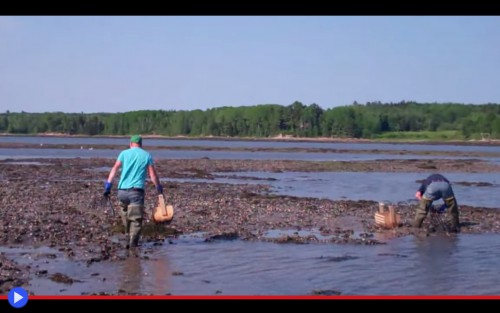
421,213
125,221
135,217
452,205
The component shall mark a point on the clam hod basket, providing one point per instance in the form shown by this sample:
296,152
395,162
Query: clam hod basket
163,212
387,218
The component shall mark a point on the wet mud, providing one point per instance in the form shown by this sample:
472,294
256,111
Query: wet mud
58,203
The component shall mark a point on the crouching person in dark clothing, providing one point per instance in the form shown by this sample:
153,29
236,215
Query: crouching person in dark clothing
435,187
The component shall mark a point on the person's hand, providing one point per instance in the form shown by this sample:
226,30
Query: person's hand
418,195
442,208
159,188
107,189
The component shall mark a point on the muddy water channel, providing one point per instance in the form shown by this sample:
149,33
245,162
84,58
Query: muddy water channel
248,227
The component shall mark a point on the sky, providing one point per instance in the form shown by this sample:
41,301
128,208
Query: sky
116,64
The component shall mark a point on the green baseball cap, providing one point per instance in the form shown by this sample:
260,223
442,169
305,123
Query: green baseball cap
136,139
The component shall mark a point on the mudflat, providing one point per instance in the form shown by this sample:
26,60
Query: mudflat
58,203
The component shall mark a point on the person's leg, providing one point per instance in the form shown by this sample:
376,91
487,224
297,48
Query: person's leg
421,212
452,205
135,216
124,202
123,196
123,215
433,192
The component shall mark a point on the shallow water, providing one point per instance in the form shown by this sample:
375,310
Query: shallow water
21,153
388,187
95,152
460,264
246,144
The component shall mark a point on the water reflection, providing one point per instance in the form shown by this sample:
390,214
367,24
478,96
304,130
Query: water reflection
132,273
161,275
436,264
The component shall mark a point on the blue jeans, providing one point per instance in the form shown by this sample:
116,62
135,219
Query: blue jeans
435,191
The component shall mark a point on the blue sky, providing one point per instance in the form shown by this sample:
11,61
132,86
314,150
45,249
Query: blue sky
127,63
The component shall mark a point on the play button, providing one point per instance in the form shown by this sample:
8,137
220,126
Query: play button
18,297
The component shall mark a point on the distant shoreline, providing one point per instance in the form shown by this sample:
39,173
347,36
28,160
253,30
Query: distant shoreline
489,142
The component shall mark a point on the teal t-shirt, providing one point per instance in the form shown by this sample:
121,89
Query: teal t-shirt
135,163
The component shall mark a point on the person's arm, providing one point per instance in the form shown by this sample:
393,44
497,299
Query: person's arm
113,171
421,190
111,176
154,178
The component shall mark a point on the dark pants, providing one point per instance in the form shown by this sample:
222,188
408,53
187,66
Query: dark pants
132,214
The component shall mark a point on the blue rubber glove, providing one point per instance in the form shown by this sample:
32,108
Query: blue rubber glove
159,188
107,189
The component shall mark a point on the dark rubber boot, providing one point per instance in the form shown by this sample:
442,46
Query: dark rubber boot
421,213
417,222
452,205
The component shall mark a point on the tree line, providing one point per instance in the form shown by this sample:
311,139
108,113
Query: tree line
356,120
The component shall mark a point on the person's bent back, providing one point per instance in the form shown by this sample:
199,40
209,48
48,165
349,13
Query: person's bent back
433,188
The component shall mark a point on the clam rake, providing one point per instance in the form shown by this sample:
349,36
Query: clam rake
107,200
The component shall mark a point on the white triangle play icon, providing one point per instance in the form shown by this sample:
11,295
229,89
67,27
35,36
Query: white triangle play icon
17,297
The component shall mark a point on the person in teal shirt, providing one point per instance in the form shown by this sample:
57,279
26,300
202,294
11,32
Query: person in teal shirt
135,163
